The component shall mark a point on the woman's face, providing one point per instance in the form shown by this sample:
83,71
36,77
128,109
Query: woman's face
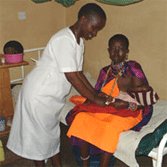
118,51
91,25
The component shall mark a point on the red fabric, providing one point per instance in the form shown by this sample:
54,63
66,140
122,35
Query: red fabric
94,108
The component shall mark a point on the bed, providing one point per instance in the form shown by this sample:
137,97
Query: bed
150,141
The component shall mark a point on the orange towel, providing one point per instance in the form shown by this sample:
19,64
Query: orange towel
100,129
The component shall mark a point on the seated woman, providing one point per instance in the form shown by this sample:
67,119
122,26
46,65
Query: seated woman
122,81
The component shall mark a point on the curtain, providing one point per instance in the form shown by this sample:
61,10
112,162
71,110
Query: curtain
119,2
68,3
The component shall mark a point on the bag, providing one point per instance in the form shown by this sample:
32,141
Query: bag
145,98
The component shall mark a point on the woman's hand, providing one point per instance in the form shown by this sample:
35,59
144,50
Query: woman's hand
120,104
107,99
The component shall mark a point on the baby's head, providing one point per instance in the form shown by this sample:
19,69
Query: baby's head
13,47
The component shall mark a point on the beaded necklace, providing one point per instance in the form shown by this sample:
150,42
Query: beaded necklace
118,70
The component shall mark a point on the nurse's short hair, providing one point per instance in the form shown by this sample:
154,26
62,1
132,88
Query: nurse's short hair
91,9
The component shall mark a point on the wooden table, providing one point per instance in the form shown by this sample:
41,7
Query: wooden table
6,103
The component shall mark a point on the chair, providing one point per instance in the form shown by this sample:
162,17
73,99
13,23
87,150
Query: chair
157,153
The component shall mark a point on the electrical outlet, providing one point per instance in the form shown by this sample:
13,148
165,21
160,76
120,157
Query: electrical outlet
22,15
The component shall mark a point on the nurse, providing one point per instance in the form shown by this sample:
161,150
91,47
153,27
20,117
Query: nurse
35,131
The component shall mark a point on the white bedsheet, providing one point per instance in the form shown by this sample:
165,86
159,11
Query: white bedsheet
129,140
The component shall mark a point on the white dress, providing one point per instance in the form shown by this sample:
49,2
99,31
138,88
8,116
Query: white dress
35,132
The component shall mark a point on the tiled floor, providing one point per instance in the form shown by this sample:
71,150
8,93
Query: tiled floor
68,159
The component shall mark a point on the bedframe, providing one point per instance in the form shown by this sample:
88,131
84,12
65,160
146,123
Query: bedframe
151,141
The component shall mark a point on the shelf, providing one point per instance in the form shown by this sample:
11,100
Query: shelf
23,63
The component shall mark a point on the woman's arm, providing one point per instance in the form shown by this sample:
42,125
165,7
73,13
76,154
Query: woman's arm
139,85
121,104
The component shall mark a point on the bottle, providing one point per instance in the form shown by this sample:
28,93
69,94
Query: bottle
2,122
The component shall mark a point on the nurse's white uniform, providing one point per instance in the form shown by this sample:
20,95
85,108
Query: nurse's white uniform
35,132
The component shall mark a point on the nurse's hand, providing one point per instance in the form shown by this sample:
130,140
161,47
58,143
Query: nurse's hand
100,100
120,104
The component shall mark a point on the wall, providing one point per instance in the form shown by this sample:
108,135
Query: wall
145,24
42,21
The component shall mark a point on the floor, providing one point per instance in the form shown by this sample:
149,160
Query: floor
68,159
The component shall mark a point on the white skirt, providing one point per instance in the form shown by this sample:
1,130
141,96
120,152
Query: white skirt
35,131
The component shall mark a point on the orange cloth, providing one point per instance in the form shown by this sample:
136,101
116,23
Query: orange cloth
102,129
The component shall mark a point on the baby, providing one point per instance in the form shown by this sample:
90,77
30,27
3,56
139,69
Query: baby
13,47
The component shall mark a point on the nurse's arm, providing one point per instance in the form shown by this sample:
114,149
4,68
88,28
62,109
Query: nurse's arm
82,85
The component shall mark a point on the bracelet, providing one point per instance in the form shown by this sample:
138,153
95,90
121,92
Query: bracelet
108,102
132,106
84,159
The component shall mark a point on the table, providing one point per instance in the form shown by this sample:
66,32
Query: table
6,103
